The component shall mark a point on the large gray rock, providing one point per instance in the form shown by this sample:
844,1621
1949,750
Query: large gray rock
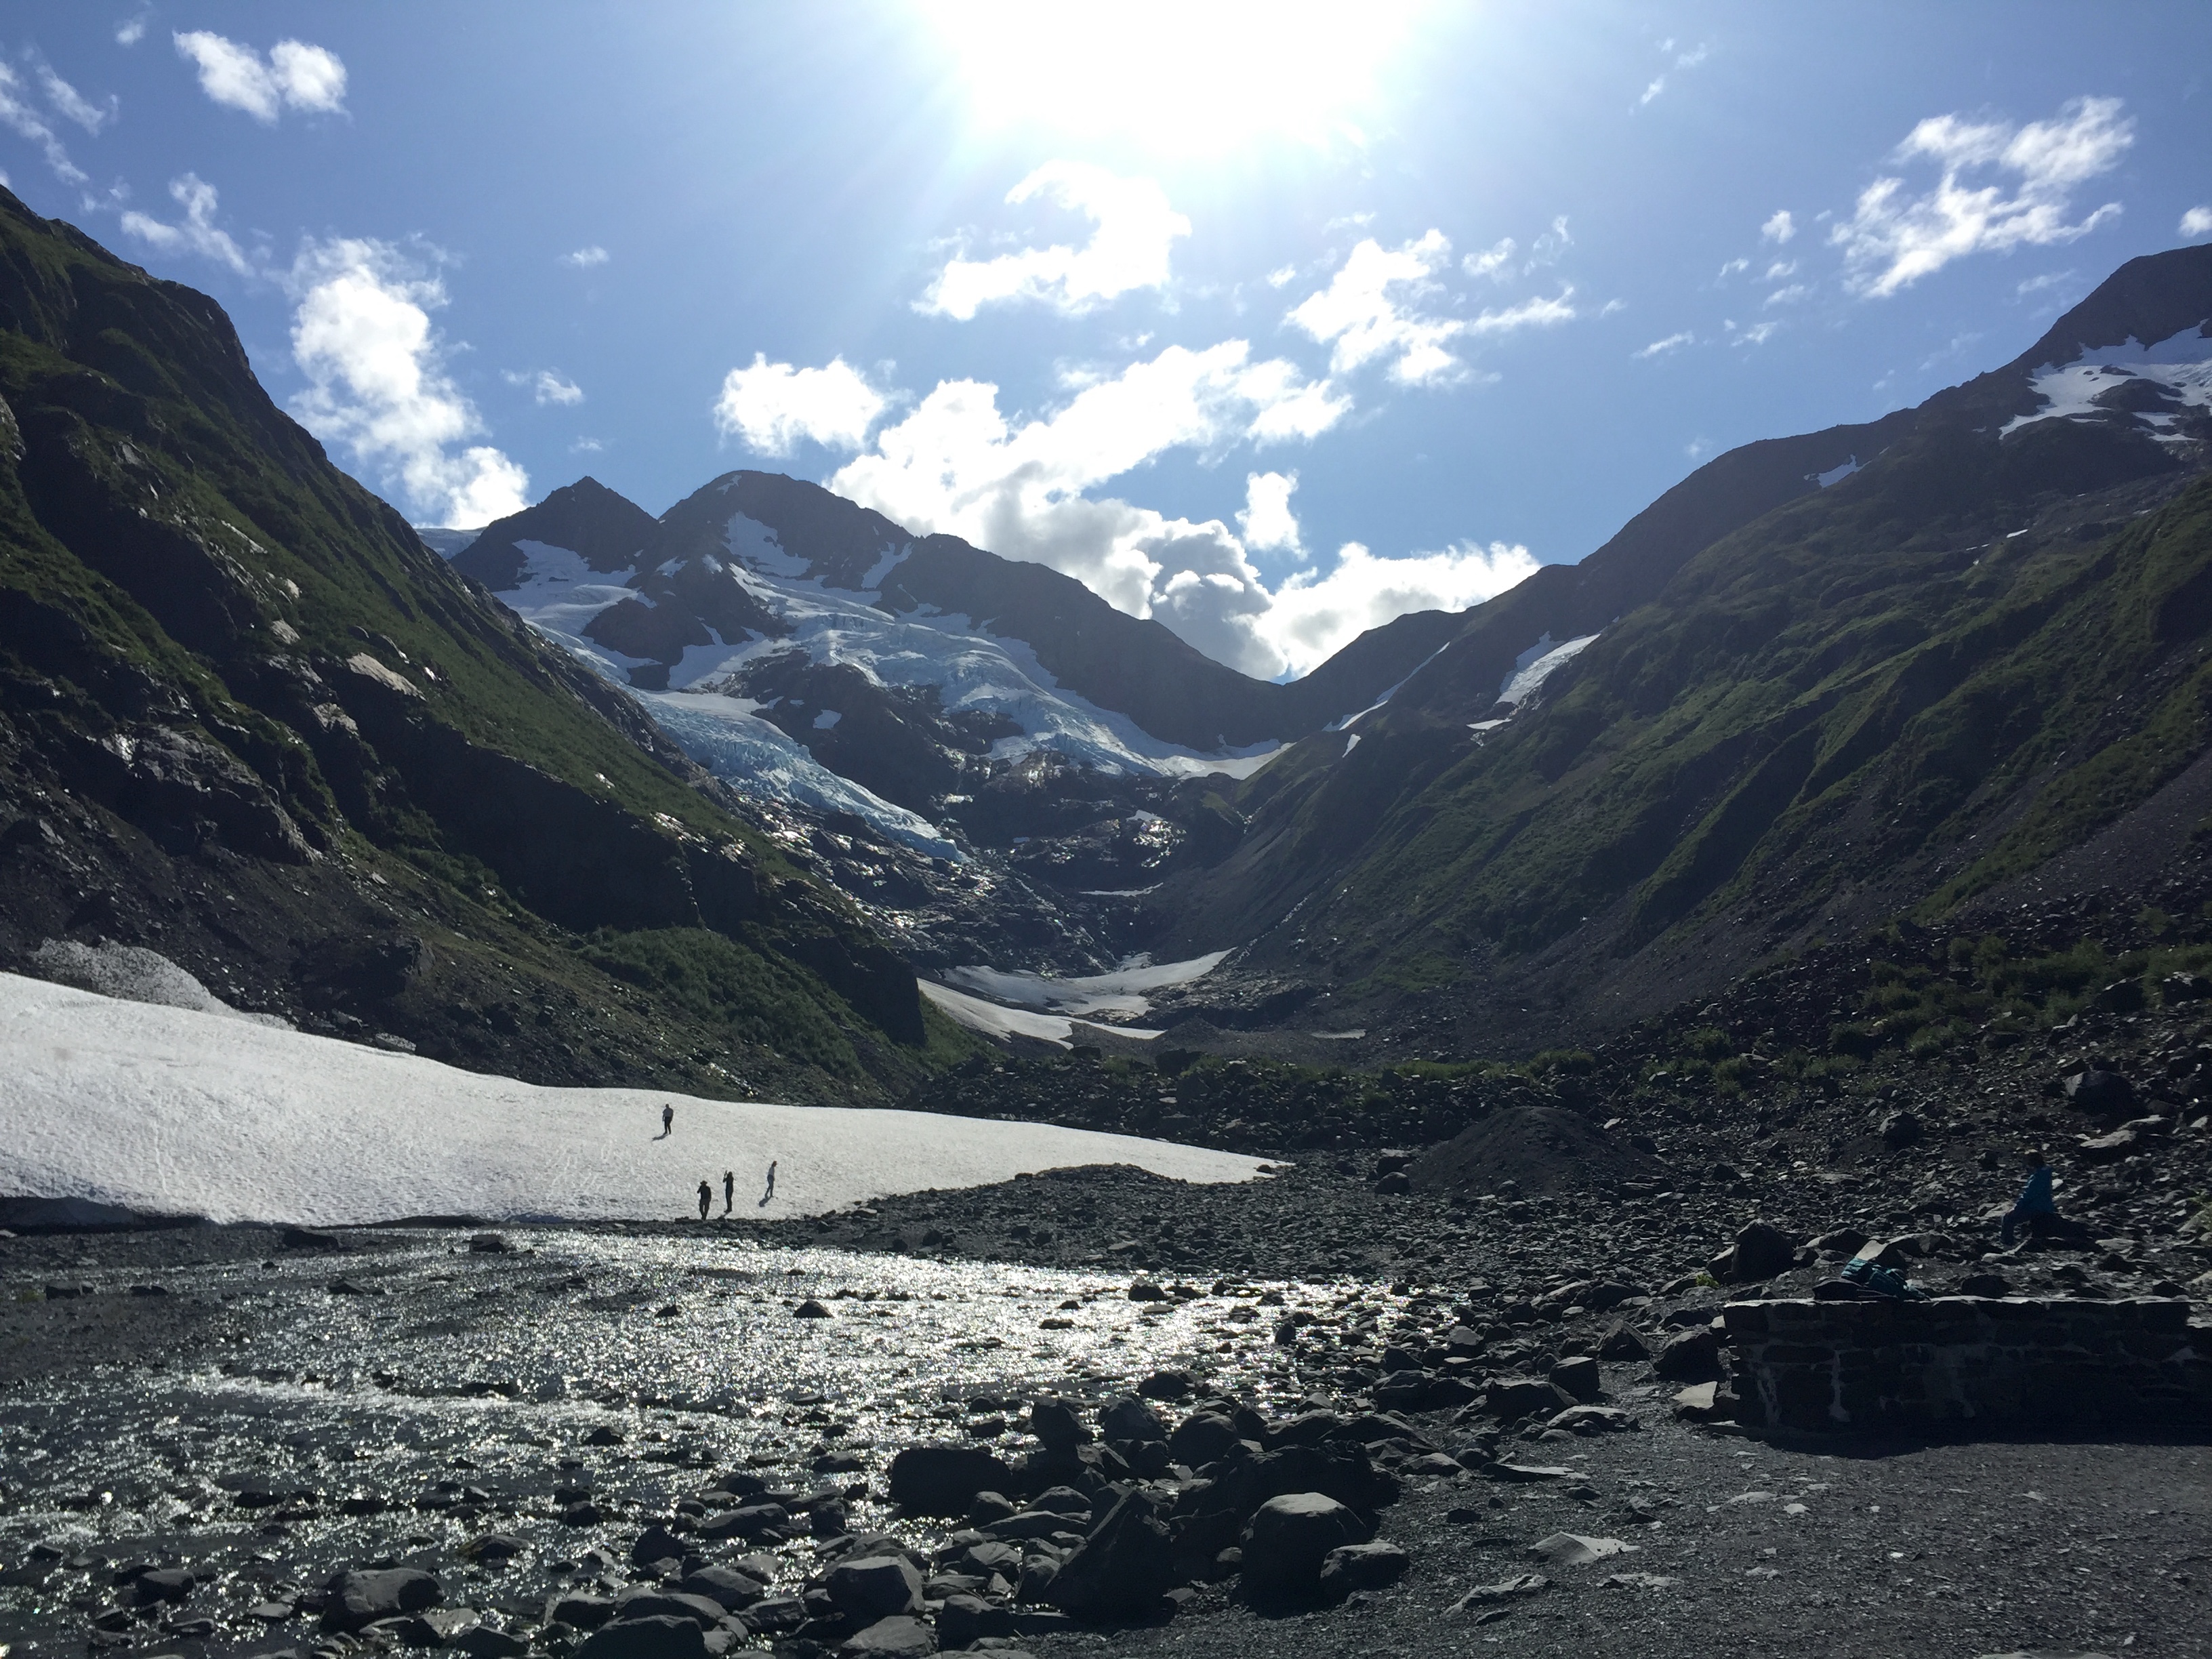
354,1599
1201,1437
1131,1418
1762,1250
1287,1541
658,1638
1122,1569
725,1586
1056,1423
2099,1090
1512,1398
965,1619
900,1637
1360,1567
875,1587
1578,1377
648,1602
1694,1356
944,1479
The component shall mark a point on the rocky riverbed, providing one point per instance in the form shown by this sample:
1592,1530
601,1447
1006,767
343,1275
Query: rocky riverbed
626,1441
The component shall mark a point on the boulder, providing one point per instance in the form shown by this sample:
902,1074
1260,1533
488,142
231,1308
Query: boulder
965,1619
944,1479
580,1611
1512,1398
1056,1423
1693,1356
1573,1549
1483,1597
1288,1540
1762,1250
2095,1089
1131,1418
352,1599
658,1638
1622,1344
1201,1437
1165,1385
1352,1567
899,1637
1210,1515
1592,1419
650,1602
656,1543
1578,1377
753,1522
725,1586
1900,1130
875,1587
1122,1569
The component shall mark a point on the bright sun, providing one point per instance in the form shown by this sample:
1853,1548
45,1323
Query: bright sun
1185,76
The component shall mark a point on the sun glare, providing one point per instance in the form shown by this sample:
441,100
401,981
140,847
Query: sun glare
1180,76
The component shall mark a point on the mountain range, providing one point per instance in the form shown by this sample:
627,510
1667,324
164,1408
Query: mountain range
596,791
253,723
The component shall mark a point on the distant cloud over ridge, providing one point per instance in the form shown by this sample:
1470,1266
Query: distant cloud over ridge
1894,238
377,382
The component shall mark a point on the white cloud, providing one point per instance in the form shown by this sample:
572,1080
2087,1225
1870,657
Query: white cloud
1369,311
772,407
2052,278
17,113
132,30
585,447
294,75
1658,85
1495,262
1266,517
1757,334
1788,296
1689,60
198,233
1546,249
1133,230
377,383
1780,268
1732,267
1780,229
1661,347
1894,238
546,387
1313,616
1282,276
955,464
2198,222
73,104
1611,306
585,258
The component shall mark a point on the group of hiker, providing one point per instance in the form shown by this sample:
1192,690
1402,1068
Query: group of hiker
729,1176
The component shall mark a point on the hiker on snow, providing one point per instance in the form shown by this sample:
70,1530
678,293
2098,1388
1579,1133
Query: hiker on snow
667,1121
706,1198
770,1192
729,1189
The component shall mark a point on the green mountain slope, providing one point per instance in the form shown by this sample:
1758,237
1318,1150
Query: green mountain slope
252,722
1907,689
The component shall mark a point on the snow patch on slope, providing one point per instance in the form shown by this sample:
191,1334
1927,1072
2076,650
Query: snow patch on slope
1538,664
2180,364
178,1112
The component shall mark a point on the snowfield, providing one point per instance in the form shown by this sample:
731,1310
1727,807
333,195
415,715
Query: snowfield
175,1111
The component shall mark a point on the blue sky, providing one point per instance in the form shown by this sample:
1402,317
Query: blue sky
1270,321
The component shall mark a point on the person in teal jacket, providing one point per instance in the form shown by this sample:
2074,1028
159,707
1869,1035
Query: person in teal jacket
2037,1211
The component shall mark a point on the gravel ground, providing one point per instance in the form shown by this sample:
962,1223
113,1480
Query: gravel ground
263,1428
